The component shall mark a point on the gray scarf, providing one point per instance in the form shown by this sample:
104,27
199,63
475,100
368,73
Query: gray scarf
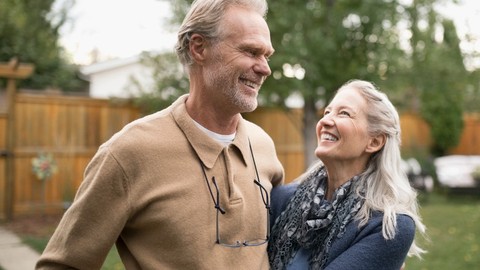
311,222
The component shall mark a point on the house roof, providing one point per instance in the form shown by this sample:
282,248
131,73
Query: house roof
109,65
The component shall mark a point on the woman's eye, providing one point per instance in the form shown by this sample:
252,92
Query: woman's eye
344,113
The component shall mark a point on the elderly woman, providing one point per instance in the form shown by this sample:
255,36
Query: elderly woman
355,209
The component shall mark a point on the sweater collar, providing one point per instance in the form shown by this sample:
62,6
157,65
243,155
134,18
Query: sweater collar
206,148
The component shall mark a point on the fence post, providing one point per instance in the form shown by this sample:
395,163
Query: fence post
10,146
12,71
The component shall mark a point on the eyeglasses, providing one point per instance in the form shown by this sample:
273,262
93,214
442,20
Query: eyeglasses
220,210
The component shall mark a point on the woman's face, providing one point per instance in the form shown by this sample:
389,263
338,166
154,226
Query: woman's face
342,133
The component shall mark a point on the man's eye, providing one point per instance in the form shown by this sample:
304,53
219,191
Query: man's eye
252,53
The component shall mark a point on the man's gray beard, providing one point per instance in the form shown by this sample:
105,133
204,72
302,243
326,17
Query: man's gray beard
234,94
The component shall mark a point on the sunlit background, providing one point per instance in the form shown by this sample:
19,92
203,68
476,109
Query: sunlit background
64,111
135,26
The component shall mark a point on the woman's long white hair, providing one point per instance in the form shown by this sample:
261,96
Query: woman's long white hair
387,187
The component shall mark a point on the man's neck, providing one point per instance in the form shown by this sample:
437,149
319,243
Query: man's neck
211,118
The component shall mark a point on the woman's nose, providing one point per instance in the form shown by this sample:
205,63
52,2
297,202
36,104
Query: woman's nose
326,120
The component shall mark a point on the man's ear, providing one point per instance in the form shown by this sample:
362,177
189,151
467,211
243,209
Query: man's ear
376,143
197,46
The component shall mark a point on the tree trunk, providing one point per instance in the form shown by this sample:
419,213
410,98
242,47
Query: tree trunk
309,132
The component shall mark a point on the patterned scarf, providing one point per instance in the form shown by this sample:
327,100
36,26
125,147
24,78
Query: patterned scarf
311,222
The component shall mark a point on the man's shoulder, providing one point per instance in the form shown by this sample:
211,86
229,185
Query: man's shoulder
252,126
156,128
255,131
156,123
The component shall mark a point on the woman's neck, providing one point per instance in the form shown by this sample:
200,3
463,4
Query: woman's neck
339,174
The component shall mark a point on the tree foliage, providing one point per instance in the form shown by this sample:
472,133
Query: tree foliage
29,30
330,42
439,74
395,44
170,81
471,97
405,47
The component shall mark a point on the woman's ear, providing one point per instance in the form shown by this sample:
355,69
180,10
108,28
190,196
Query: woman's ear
197,46
376,143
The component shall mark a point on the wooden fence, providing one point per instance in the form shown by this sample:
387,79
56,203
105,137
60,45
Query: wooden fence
72,128
3,183
286,133
285,130
470,139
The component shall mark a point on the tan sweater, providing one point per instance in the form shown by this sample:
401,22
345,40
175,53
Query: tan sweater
145,191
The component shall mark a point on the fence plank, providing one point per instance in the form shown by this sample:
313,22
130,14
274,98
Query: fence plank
70,128
285,132
415,134
3,184
470,138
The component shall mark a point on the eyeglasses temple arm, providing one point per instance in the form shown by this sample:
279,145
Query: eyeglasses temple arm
216,203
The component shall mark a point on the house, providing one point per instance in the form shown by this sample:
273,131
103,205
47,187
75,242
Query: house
114,78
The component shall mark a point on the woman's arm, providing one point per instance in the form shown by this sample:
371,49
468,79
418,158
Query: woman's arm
371,251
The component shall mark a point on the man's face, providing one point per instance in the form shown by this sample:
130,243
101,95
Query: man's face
238,63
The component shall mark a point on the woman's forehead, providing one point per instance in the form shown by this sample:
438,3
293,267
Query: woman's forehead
349,97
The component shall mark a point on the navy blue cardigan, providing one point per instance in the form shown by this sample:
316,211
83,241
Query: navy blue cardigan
359,248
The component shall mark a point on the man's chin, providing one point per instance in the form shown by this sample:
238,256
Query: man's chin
249,106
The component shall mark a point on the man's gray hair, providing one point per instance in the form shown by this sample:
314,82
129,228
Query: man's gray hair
204,18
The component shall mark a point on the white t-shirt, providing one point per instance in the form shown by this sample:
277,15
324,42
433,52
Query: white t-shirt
224,139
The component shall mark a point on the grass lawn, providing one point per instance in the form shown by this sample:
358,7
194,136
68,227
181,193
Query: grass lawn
453,225
36,230
112,262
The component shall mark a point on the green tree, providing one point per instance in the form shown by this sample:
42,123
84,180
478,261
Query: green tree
170,81
439,74
322,44
325,44
471,97
29,30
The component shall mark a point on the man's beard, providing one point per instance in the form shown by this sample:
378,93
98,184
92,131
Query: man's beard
229,84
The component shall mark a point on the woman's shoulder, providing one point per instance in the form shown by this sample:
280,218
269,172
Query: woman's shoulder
365,247
285,191
280,196
404,222
404,230
282,193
